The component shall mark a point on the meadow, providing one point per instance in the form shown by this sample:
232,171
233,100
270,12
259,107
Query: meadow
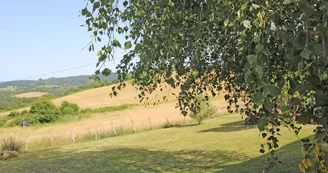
217,145
147,139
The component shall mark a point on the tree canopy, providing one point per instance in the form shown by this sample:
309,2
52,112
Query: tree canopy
268,55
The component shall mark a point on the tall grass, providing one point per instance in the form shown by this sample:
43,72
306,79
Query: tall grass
87,136
11,144
108,109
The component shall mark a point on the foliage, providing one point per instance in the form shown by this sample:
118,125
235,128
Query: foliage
46,112
206,110
69,108
11,144
107,109
14,114
251,49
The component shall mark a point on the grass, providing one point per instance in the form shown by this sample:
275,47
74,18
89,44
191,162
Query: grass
218,145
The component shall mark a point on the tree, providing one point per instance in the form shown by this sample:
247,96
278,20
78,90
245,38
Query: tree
206,109
252,49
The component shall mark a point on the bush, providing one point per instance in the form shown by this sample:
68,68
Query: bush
68,110
11,144
44,111
66,104
43,107
14,114
206,109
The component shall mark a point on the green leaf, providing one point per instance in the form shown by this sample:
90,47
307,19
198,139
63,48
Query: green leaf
116,43
138,48
286,2
247,24
249,78
269,106
127,45
106,72
171,3
305,54
125,3
255,6
194,74
84,11
108,49
252,60
256,38
262,124
97,78
258,71
258,97
96,5
97,72
272,90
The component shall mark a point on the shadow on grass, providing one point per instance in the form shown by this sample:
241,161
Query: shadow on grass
141,160
230,127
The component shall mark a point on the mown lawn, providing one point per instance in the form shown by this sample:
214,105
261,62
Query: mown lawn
222,144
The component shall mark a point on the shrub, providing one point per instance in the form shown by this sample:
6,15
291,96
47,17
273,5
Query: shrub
14,114
66,104
45,111
206,110
11,144
68,110
24,112
43,107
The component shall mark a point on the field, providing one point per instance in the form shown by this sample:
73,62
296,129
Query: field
31,94
99,97
218,145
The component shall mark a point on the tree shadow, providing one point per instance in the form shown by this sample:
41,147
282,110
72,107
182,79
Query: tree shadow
230,127
121,160
109,159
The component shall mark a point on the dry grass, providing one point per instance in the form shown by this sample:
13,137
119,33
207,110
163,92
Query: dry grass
99,97
122,119
31,94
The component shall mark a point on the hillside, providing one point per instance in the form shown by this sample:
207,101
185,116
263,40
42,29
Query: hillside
99,97
55,87
46,85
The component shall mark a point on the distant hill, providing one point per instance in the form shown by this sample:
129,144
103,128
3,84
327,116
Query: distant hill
54,82
53,86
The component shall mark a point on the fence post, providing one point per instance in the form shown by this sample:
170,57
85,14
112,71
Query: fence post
26,143
151,126
52,140
113,128
96,134
168,122
73,136
133,126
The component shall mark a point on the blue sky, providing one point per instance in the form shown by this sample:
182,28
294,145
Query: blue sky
43,36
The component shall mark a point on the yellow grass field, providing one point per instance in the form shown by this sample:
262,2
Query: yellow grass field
31,94
99,97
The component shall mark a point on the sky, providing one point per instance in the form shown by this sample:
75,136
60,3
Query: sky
43,36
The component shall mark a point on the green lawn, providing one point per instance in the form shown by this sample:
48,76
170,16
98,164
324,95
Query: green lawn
219,145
